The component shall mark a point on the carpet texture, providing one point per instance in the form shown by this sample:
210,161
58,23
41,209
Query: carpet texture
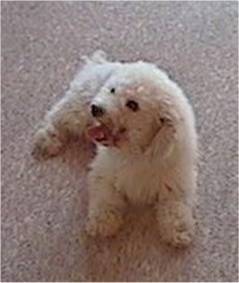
44,204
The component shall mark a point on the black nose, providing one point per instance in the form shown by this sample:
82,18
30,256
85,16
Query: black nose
96,111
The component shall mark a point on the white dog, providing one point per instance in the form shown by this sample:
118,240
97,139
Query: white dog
144,129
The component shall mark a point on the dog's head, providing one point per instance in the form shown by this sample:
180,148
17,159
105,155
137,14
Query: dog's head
132,107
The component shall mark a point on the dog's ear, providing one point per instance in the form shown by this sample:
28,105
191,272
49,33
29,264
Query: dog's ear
98,57
165,136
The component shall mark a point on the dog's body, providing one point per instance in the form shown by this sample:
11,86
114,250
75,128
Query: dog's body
146,140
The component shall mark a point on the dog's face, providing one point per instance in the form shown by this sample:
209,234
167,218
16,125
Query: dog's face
127,109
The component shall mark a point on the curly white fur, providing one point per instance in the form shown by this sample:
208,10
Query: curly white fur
154,162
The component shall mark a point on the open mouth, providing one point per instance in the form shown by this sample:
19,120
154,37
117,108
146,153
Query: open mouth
105,135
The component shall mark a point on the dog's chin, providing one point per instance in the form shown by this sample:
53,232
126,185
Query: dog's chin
106,135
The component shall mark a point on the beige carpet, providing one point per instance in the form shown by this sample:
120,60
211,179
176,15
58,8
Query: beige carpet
44,204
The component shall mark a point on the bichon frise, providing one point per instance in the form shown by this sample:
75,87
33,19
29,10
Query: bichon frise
144,129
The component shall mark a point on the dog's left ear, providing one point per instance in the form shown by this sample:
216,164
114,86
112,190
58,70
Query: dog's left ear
166,134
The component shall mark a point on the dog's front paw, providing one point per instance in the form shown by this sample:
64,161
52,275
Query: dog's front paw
180,237
105,225
176,224
46,144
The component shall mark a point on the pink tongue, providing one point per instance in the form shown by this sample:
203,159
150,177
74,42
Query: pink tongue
99,133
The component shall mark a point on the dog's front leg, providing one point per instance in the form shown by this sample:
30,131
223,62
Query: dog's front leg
176,204
176,222
106,207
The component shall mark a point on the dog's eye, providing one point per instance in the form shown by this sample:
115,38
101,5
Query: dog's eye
112,90
131,104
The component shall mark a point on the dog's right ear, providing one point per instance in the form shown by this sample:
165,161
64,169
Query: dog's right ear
98,57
